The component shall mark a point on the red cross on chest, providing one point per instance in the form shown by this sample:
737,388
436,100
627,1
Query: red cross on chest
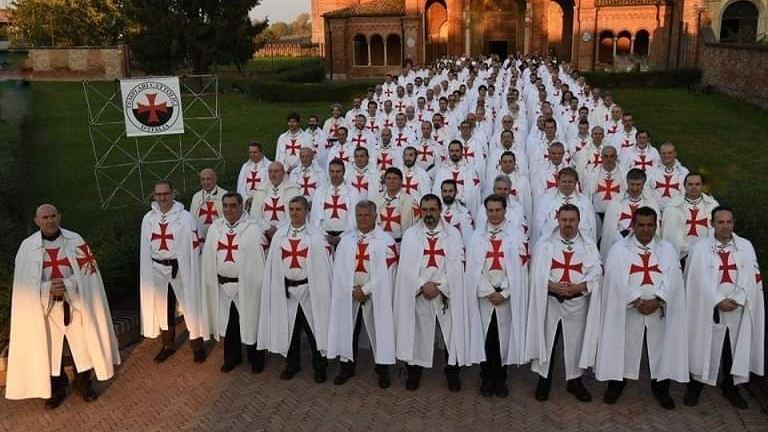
292,146
294,253
392,255
334,129
628,216
359,141
552,184
55,264
359,183
401,139
307,185
209,212
229,247
163,236
597,160
384,161
607,189
643,163
335,206
342,156
726,265
433,252
275,207
152,108
196,240
693,222
253,180
409,184
389,217
469,153
85,259
667,186
373,127
496,254
526,256
567,266
459,181
388,123
362,257
388,92
645,268
400,105
425,152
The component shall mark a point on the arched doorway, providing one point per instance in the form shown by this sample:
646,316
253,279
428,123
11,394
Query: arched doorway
624,43
377,50
739,23
605,52
394,50
360,50
642,43
560,28
437,29
496,27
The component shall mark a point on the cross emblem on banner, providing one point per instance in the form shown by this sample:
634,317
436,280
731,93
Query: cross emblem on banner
645,269
668,186
693,222
726,267
307,186
361,257
152,109
253,180
608,188
274,207
389,217
230,247
294,253
54,263
567,266
209,212
433,252
335,206
495,254
163,236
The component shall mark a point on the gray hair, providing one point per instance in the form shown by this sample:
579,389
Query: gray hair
502,178
367,204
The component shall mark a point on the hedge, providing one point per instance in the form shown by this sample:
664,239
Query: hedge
650,79
276,91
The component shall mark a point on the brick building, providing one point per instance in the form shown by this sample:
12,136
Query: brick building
367,38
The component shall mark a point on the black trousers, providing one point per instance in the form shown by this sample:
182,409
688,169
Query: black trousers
233,350
451,371
492,369
558,334
169,336
60,383
319,363
349,366
726,362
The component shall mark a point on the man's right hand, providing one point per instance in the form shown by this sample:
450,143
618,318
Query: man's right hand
430,290
58,289
727,305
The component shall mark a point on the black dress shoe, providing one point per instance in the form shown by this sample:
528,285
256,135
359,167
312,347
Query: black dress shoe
666,401
288,373
90,395
342,378
613,392
198,355
500,389
542,389
257,368
412,384
54,401
454,385
735,398
692,393
320,376
164,353
576,388
228,367
384,381
486,388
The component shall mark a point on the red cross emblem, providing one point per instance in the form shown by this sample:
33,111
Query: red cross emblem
388,123
384,162
359,140
209,212
597,160
645,269
726,267
361,257
253,180
469,153
643,163
85,259
335,129
567,266
152,109
274,207
292,147
361,183
373,127
307,186
426,152
433,252
495,254
294,253
54,263
459,182
525,257
335,206
668,186
343,157
409,184
608,188
580,146
758,278
693,222
401,139
389,217
163,236
392,255
437,139
628,216
388,92
400,105
196,240
230,247
552,184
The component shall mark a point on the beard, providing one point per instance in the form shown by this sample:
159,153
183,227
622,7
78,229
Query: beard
430,220
449,200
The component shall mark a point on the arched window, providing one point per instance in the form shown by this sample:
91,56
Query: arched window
605,53
394,50
624,43
377,50
739,23
642,43
437,29
360,50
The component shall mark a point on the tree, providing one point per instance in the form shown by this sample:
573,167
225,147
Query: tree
169,35
68,22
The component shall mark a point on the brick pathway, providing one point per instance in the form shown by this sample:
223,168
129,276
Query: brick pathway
181,395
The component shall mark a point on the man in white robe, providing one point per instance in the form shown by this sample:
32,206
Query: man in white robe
589,158
606,184
497,291
290,142
388,155
617,223
206,203
726,311
429,295
686,216
625,138
271,198
253,172
332,212
396,209
58,309
642,155
544,176
296,295
644,301
667,178
464,174
308,176
454,213
316,139
335,121
564,303
416,180
545,211
169,273
232,267
363,276
341,149
363,175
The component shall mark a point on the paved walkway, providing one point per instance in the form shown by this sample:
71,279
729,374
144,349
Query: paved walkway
181,395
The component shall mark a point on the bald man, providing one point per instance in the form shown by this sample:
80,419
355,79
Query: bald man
59,313
206,203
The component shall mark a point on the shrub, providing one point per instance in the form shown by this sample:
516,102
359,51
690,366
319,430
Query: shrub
276,91
650,79
307,73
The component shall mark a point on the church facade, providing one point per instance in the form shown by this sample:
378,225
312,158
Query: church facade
372,37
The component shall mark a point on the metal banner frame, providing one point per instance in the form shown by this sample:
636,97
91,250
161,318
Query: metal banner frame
127,168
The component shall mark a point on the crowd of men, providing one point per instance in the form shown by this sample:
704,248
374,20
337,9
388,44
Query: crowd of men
496,211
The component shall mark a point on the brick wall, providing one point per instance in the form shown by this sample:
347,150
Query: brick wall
737,70
75,63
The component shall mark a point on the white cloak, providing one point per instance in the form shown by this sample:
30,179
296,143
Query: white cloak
197,202
673,224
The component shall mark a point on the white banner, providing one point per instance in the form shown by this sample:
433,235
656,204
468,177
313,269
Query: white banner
152,106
